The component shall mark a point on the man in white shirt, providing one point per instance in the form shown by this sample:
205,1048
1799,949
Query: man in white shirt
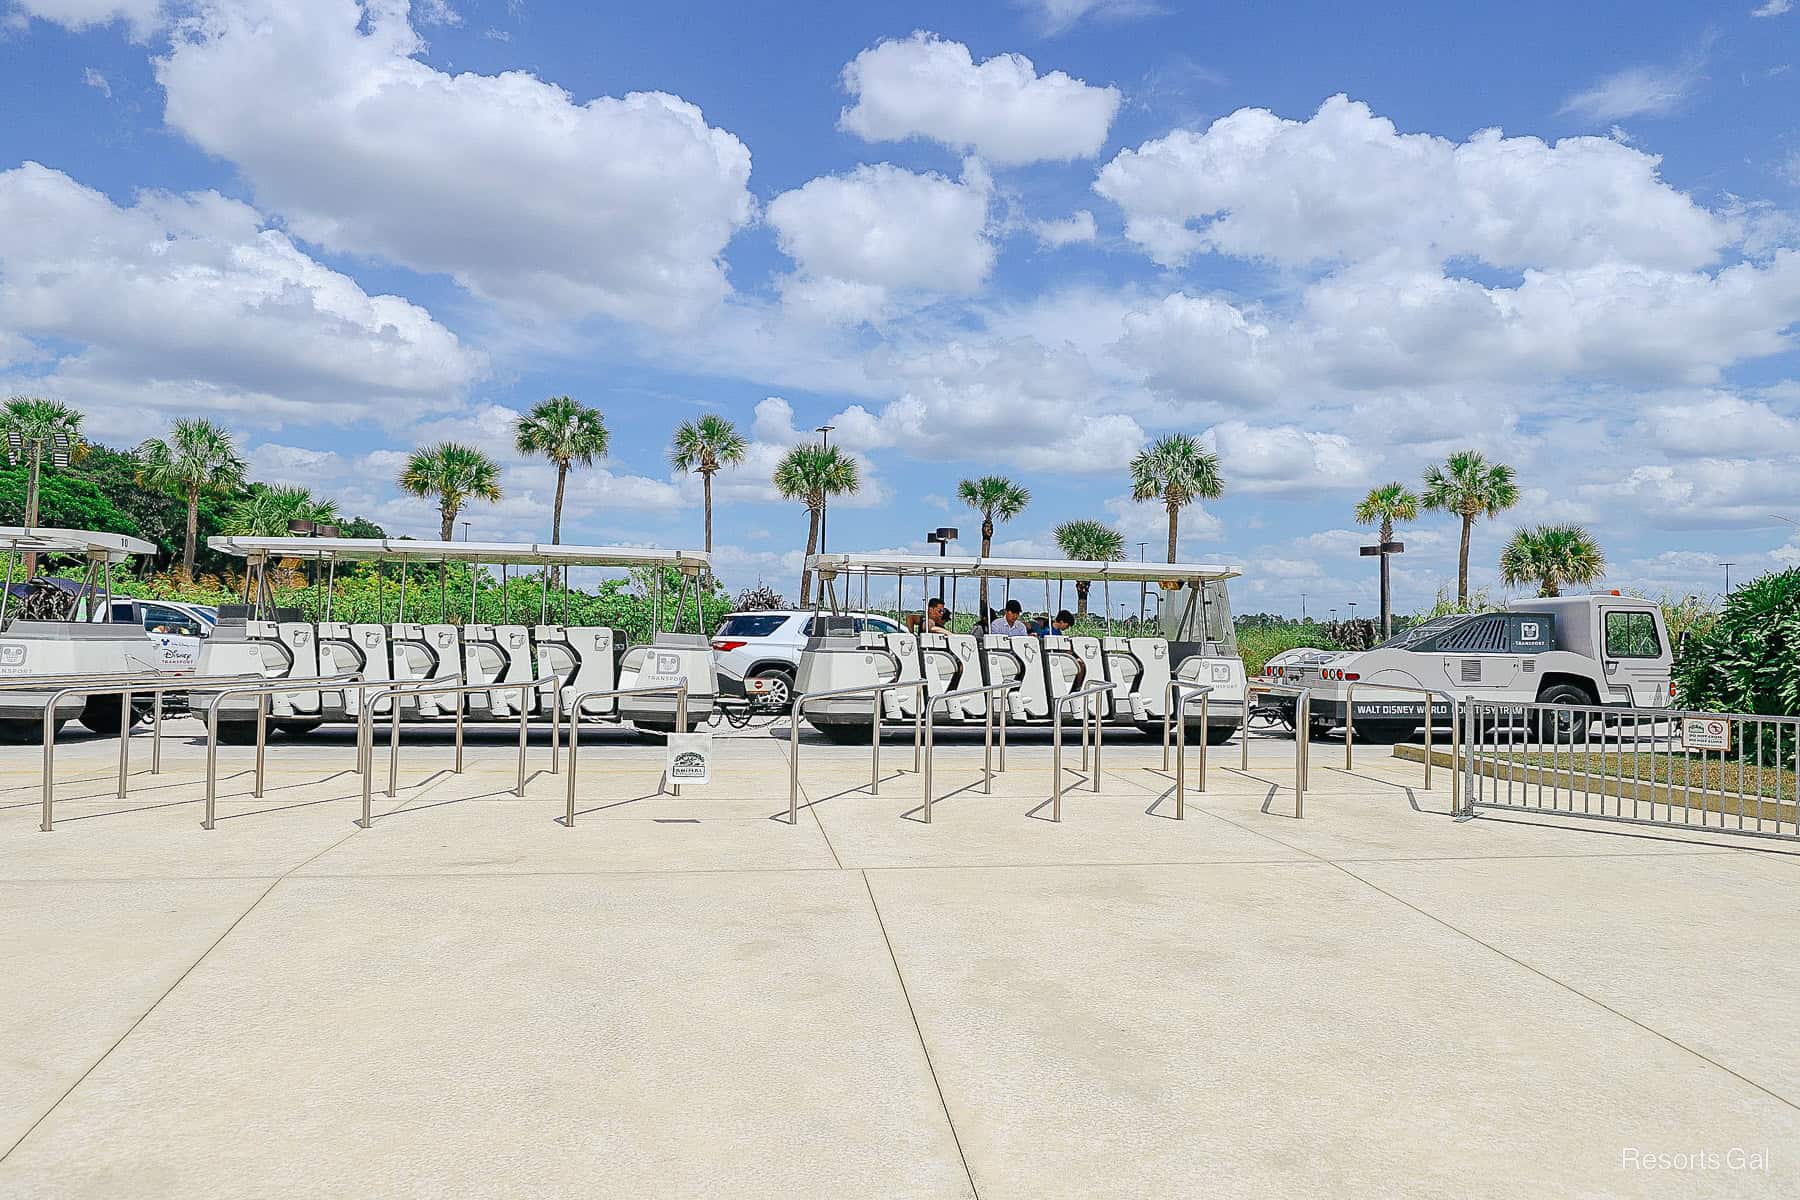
1009,623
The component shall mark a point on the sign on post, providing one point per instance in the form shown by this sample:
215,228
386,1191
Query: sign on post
690,758
1705,733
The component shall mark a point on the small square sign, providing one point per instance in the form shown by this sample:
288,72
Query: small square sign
1705,733
690,758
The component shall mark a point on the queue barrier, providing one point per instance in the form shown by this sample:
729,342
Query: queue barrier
987,692
679,690
1430,694
262,691
365,734
1090,715
875,692
1175,713
1302,733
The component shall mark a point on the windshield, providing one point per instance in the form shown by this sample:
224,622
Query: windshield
1423,630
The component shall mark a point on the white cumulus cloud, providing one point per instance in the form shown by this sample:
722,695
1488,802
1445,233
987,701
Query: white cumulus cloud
505,182
1000,108
141,17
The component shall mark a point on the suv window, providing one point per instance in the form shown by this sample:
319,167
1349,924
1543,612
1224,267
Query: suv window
751,625
1632,635
881,625
160,618
859,624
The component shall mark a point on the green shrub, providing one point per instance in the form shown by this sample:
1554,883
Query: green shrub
1258,644
1748,661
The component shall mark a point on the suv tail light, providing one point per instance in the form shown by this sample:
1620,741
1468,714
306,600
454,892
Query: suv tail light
728,645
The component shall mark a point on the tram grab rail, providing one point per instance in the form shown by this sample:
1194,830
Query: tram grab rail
1175,714
366,728
678,689
1302,734
1090,715
1429,694
874,690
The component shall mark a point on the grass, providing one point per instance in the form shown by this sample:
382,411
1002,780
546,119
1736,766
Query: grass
1677,772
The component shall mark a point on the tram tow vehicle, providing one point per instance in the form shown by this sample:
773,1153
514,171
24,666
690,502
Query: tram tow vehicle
1193,640
1602,650
422,644
84,643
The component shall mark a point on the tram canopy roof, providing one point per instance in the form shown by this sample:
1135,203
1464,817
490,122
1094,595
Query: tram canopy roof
113,547
530,554
829,565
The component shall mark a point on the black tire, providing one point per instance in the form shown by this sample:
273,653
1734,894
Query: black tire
295,729
1386,733
101,714
27,732
237,733
1218,735
1565,728
781,683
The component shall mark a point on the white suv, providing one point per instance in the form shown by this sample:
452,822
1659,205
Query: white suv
766,646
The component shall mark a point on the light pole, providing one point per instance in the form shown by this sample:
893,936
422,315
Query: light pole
1303,608
1143,588
1728,567
465,526
1353,610
824,432
941,537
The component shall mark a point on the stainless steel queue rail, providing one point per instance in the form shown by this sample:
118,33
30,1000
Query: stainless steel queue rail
1090,714
262,691
987,754
125,686
1302,733
876,691
678,689
1429,694
366,729
1175,713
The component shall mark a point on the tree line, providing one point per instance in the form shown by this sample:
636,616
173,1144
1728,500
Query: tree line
197,466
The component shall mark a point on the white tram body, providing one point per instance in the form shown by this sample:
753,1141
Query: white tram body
259,639
73,648
1195,641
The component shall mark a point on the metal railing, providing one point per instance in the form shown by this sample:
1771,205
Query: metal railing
1090,715
1302,733
1430,694
365,736
679,690
987,691
127,687
1740,775
1175,714
876,691
262,690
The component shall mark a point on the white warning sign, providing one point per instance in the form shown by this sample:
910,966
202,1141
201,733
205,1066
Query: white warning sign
1705,733
690,758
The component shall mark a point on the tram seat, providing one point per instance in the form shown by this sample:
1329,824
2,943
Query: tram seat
581,658
356,647
1125,673
498,654
1093,670
1020,660
945,670
293,652
1152,655
903,648
426,652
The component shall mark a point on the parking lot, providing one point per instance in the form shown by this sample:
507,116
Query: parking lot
683,996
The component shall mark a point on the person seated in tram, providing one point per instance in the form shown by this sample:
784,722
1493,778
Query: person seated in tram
937,616
1065,621
1009,623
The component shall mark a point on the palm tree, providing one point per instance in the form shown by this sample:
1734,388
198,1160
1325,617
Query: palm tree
705,445
566,432
1178,470
37,424
454,473
1088,541
1468,485
197,459
1383,506
1550,556
266,511
810,473
994,497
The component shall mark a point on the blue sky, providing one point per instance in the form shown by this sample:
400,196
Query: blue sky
1014,237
